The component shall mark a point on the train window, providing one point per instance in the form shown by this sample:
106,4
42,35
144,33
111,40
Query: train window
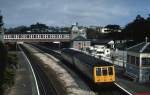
104,70
98,72
110,70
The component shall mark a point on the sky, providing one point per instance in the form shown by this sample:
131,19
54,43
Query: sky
67,12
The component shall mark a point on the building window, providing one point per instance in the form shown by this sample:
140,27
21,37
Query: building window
84,43
132,60
137,61
128,59
145,61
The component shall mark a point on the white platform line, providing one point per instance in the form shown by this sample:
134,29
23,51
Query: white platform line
37,87
123,89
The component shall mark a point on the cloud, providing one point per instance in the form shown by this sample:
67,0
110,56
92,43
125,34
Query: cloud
66,12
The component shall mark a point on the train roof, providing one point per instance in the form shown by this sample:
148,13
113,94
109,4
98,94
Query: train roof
88,59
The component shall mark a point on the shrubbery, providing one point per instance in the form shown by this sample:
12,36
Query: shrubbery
8,64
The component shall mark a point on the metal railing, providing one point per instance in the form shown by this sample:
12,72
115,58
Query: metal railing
115,61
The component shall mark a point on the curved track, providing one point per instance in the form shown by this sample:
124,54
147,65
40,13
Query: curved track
45,84
109,89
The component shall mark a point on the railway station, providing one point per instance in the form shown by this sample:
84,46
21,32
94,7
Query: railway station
42,53
78,55
95,69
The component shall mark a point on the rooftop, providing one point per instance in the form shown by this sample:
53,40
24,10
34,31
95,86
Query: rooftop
143,47
80,38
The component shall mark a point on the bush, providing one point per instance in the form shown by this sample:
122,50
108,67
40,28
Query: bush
3,64
8,64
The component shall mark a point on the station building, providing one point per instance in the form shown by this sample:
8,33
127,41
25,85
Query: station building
138,62
78,38
80,43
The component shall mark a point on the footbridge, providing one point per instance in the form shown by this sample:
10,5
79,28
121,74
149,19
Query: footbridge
37,37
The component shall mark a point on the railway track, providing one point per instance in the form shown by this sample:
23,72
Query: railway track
110,89
45,85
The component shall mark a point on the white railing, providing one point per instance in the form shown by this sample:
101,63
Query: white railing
116,61
37,36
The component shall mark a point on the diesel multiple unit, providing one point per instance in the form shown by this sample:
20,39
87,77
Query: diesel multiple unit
95,69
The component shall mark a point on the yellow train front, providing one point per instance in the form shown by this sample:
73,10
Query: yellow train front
103,74
97,70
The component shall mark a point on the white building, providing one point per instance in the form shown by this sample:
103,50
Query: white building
106,30
76,31
80,43
102,50
138,62
79,39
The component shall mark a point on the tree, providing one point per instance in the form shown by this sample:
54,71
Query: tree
92,34
1,20
148,18
38,27
138,29
19,29
3,61
113,28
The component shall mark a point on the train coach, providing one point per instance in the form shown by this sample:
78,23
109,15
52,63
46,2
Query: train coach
95,69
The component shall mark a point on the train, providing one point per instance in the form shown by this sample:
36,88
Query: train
95,69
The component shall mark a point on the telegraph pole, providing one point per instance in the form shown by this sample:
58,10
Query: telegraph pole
1,28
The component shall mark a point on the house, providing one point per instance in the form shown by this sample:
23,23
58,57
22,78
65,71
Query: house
80,43
138,62
102,50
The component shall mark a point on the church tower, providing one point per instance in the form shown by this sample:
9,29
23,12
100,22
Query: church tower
77,31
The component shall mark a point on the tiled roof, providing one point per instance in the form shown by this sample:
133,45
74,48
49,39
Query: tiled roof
143,47
80,38
101,41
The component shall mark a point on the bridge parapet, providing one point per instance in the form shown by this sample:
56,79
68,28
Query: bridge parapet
36,37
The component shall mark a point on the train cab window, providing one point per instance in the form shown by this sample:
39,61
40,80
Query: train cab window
110,70
104,70
98,72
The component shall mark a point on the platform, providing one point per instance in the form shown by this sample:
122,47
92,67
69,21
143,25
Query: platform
131,86
24,82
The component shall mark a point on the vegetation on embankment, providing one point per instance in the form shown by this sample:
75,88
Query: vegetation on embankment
8,65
